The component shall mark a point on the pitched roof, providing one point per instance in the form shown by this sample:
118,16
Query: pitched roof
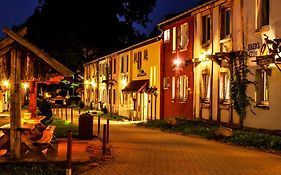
39,53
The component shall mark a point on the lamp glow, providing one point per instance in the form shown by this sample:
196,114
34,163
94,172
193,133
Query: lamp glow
177,62
6,83
93,83
25,86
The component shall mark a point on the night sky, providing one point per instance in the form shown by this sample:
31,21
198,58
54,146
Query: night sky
15,12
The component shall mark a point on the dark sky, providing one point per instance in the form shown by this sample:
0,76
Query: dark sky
15,12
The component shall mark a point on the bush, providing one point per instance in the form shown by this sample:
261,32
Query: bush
81,105
104,110
45,109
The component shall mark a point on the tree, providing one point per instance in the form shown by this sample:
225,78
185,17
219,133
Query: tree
75,32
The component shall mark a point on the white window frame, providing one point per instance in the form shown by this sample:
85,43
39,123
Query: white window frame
183,88
174,39
262,90
224,79
225,29
205,86
173,88
184,36
262,13
206,29
167,35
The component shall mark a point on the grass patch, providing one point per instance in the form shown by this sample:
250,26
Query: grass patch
253,138
114,117
62,126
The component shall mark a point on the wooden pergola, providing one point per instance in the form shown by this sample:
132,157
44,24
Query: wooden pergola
20,61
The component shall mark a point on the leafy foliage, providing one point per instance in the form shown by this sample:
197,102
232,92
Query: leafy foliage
75,32
239,83
253,138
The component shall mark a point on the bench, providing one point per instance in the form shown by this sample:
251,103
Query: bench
45,142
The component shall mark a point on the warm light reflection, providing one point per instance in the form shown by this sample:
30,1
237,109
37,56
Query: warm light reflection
202,57
93,83
86,82
124,82
177,62
25,86
6,83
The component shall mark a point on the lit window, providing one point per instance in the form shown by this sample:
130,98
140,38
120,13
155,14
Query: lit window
114,66
183,85
139,60
206,25
262,87
114,96
184,38
173,88
262,13
205,86
225,23
167,35
166,83
174,38
145,54
224,86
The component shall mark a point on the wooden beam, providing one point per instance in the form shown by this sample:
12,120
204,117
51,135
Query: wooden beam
15,116
4,50
40,53
7,40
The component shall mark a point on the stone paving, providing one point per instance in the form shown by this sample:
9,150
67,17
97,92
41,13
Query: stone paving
142,151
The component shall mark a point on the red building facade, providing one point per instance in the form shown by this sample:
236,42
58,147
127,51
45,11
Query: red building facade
177,67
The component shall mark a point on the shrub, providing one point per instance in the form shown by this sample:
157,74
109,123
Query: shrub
45,109
104,110
81,105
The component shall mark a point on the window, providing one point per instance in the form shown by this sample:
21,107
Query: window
174,39
205,86
166,83
206,24
139,66
224,86
183,38
145,54
167,35
173,88
262,87
225,23
183,85
262,13
122,64
114,96
114,66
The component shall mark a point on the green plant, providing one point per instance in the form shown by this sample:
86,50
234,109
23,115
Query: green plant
104,110
239,83
63,126
45,109
81,105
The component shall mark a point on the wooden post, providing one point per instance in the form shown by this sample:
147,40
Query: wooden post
15,114
104,140
71,115
98,125
32,98
69,153
61,112
107,131
66,113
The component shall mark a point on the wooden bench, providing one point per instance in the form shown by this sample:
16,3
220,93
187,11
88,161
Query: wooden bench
45,142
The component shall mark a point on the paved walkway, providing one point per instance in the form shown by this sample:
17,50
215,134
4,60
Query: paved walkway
141,151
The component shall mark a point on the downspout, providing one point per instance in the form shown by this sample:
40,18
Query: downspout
161,66
212,69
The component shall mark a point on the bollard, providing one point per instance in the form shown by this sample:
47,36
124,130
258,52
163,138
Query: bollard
98,125
66,113
71,115
69,152
61,112
107,131
104,140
